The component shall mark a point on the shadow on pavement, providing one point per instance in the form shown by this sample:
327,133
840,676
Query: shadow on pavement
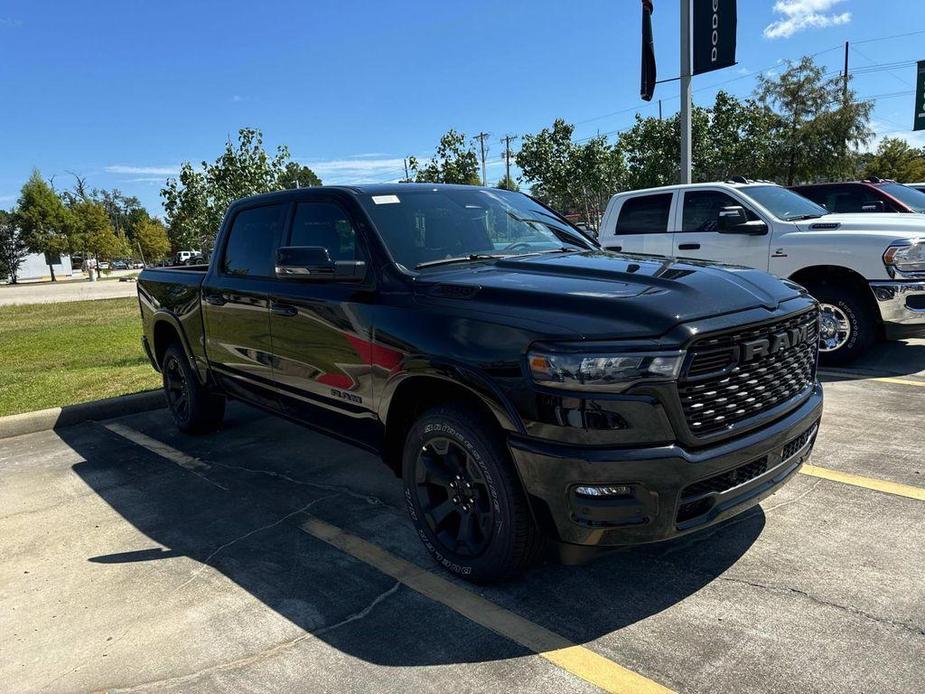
884,359
241,518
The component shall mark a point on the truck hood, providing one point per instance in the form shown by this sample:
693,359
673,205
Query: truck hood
597,294
901,225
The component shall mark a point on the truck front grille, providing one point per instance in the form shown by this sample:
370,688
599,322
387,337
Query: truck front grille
730,378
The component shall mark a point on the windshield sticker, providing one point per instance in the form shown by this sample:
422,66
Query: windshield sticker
385,199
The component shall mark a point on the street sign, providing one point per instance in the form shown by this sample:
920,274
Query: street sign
919,122
714,34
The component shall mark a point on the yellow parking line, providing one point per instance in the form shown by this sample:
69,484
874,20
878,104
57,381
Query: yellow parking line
906,490
578,660
901,381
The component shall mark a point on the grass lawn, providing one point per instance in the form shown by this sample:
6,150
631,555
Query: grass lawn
65,353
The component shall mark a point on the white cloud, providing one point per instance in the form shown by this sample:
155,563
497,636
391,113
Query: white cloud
10,23
7,198
883,129
356,169
237,98
799,15
143,170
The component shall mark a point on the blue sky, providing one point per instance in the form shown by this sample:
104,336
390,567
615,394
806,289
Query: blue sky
122,92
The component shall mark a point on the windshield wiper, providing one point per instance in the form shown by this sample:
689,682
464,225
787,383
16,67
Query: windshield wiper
461,259
800,217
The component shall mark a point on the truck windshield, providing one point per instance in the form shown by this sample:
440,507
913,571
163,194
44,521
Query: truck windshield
422,227
915,199
783,203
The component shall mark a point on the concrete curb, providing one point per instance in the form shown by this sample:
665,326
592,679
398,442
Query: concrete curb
58,417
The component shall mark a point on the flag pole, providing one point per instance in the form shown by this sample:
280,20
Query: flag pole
684,174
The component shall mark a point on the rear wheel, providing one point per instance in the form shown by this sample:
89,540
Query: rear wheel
465,499
195,410
847,325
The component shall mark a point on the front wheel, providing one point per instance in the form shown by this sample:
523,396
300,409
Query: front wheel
195,410
847,325
465,499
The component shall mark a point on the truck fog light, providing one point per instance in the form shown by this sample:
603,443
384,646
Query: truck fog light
603,490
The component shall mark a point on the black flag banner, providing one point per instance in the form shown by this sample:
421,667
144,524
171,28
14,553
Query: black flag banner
647,77
919,123
714,34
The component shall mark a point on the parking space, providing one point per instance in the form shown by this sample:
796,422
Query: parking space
271,558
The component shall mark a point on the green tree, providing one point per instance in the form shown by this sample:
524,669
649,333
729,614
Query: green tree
13,249
151,238
196,200
93,232
571,177
897,159
508,183
821,122
454,161
43,219
298,176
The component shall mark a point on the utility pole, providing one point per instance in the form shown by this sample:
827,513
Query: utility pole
481,138
405,161
659,109
507,155
684,174
845,97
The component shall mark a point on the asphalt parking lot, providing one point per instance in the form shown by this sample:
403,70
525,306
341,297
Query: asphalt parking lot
270,558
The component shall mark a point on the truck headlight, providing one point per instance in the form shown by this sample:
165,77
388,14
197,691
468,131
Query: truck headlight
608,372
906,257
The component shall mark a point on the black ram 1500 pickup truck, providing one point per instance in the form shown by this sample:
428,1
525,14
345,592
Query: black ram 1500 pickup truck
527,386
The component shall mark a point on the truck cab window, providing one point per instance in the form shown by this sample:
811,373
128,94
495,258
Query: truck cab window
252,241
324,224
701,209
647,214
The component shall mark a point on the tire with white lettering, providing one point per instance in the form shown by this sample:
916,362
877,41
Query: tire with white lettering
465,498
847,324
195,410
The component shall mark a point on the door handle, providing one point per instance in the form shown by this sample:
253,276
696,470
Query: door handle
615,248
215,299
688,246
279,309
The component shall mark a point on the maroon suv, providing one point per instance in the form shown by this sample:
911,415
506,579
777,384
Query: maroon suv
870,195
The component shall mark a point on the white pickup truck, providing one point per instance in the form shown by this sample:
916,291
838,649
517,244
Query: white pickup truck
866,270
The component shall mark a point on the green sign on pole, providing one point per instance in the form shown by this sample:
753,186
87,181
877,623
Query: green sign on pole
920,97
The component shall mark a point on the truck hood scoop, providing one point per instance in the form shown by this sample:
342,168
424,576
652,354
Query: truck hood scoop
598,292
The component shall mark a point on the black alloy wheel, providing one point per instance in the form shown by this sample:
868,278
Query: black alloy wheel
454,497
465,498
195,409
177,388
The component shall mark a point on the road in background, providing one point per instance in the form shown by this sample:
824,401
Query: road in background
69,290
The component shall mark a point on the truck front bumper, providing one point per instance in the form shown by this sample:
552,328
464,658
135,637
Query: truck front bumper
902,308
669,491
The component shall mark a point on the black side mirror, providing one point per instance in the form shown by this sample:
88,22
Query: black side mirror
873,206
314,263
731,217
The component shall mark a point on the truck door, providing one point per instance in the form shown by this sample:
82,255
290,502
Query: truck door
235,305
321,329
698,232
642,225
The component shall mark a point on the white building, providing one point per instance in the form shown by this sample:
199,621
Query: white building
35,267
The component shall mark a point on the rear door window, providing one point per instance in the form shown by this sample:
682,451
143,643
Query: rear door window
646,214
252,241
